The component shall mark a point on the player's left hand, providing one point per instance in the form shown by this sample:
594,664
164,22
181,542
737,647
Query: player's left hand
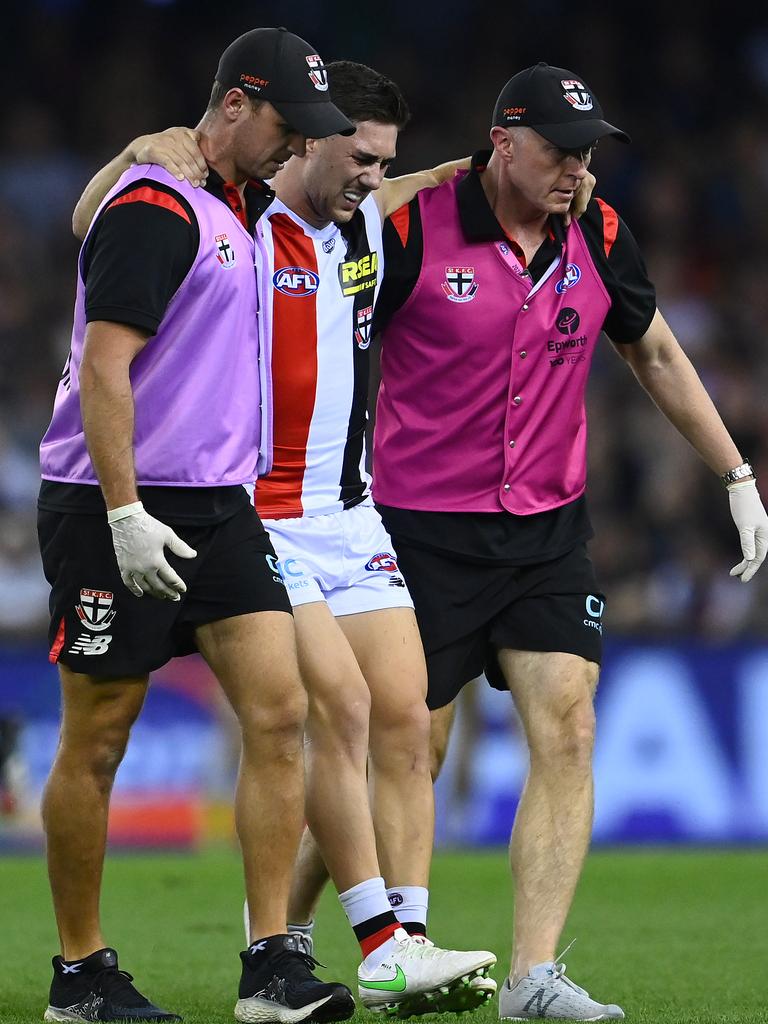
175,149
751,521
581,198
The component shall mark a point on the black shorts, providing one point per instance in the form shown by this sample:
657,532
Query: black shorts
97,625
468,611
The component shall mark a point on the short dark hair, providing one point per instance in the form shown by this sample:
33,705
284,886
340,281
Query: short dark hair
219,91
365,95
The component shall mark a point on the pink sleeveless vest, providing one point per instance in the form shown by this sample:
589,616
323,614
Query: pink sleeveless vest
481,406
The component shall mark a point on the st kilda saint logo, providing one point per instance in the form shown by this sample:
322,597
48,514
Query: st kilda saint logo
576,94
568,320
318,76
95,610
363,329
459,284
225,254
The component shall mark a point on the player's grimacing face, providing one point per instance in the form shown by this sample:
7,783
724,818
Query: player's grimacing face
339,172
546,175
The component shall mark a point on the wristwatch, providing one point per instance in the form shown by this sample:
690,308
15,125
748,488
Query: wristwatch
742,472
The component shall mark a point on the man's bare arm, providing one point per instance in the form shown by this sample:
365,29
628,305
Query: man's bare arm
106,402
396,192
175,149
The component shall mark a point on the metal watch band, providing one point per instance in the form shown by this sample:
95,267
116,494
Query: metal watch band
741,472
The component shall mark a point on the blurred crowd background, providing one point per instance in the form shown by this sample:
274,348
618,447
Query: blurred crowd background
81,79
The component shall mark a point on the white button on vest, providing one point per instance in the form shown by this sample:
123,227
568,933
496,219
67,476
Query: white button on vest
511,444
507,487
525,305
517,399
523,355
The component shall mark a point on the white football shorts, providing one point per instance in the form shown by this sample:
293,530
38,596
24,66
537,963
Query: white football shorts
345,558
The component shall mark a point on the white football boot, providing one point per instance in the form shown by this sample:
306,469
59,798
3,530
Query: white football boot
546,992
418,977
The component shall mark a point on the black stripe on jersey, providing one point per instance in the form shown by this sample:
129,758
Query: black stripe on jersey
351,484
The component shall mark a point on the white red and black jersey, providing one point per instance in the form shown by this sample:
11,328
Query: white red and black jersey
324,286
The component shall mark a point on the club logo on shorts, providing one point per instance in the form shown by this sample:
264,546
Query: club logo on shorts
363,330
459,284
595,607
95,610
225,254
318,76
571,277
298,282
576,93
384,561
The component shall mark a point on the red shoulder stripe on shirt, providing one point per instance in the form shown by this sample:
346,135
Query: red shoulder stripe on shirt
401,222
145,194
610,225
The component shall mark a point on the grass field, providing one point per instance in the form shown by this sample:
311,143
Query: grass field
673,937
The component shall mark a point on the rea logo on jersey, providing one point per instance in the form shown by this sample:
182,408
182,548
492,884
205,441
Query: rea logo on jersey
95,609
576,94
383,562
359,275
459,284
363,330
571,277
225,254
296,281
318,76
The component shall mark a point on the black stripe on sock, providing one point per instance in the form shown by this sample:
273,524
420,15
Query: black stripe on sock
365,929
414,927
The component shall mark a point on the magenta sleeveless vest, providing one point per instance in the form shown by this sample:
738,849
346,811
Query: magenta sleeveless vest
481,406
196,383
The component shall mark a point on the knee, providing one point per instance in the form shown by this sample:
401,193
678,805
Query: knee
340,718
564,738
399,731
98,752
276,724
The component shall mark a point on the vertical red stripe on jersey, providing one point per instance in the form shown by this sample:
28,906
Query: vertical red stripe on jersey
294,374
610,226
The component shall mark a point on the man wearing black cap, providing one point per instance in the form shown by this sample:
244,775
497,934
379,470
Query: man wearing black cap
160,418
490,312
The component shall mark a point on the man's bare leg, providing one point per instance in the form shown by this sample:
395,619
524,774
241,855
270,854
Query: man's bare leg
441,723
96,721
553,694
310,877
388,649
336,750
254,658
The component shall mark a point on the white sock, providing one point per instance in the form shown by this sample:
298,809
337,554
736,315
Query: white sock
410,903
365,900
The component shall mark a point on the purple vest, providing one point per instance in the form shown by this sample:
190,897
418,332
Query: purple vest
196,383
481,406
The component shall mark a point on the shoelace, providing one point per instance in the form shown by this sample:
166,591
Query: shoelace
558,973
421,948
292,956
112,982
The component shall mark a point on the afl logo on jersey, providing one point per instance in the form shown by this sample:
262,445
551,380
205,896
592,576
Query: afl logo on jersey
296,281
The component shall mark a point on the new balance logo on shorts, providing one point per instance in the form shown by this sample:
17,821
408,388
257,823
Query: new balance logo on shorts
86,644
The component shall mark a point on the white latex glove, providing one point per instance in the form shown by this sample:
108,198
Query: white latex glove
139,541
751,521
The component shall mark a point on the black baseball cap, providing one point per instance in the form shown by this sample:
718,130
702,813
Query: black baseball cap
557,104
275,65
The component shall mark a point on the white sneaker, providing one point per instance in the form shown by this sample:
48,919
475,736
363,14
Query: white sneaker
546,992
418,977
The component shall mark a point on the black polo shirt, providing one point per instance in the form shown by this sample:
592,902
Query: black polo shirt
502,537
134,259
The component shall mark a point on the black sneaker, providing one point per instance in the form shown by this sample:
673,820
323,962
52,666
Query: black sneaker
277,985
95,989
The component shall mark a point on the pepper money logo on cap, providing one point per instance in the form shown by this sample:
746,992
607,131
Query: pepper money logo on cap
275,65
557,104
